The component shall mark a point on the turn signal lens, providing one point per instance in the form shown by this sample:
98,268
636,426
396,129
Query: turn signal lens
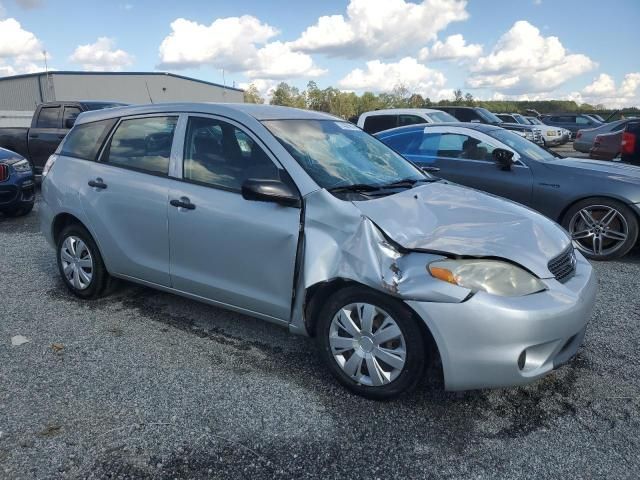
443,274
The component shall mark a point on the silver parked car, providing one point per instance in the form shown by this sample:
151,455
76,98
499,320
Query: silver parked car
304,220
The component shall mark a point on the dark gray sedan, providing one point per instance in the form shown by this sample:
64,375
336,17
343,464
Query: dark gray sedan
597,202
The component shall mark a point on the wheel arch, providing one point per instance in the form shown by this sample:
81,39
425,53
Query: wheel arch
607,196
317,294
63,220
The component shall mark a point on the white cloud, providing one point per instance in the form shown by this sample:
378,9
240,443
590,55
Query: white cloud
101,55
19,48
228,43
603,90
383,77
276,60
237,44
380,27
523,61
453,48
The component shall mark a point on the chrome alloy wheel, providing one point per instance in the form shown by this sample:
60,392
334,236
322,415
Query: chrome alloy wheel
77,263
367,344
598,229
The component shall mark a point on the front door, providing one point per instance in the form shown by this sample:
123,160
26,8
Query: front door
126,196
224,248
46,135
468,160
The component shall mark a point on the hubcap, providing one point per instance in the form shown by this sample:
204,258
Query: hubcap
367,344
77,263
598,230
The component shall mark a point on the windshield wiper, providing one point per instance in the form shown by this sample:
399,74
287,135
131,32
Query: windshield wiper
356,187
408,182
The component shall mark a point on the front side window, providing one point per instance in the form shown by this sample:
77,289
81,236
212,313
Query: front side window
142,144
409,120
521,145
339,154
84,141
219,154
441,117
454,145
49,118
70,114
583,121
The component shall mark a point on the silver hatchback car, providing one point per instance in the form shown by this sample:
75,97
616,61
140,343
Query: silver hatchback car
304,220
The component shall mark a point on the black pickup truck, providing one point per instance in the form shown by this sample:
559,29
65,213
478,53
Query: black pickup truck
49,125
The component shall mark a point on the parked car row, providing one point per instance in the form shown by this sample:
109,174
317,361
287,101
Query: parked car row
17,186
304,220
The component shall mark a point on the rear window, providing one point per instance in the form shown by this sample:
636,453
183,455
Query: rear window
84,141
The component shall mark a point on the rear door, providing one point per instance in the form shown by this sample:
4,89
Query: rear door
46,135
126,197
465,157
224,248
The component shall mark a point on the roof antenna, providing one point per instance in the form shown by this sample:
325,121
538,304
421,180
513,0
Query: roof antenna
148,92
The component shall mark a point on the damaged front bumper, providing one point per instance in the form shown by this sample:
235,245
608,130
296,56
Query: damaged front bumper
489,341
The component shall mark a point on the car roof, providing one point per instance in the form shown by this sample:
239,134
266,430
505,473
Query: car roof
479,127
400,111
256,111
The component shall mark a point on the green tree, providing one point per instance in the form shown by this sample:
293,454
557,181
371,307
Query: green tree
468,100
458,97
252,95
288,96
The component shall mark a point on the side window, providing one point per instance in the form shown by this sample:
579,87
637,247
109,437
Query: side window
429,145
464,147
70,115
583,121
409,120
219,154
404,143
465,115
378,123
84,141
49,118
142,144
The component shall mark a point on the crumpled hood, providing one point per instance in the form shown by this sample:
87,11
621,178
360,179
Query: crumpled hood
448,218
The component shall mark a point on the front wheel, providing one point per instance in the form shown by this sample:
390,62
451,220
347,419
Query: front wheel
602,228
80,263
371,343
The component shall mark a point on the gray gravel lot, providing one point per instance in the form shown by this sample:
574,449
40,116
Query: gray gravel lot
149,385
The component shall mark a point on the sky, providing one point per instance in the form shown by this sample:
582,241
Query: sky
583,50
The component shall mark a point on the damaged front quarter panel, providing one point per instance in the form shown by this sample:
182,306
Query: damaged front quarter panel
341,243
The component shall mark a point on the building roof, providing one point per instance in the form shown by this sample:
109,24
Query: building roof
70,72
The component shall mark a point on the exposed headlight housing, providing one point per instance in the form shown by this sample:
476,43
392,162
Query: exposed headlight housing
21,166
49,165
492,276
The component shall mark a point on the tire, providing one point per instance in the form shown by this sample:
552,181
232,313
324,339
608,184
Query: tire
20,211
99,279
388,381
602,228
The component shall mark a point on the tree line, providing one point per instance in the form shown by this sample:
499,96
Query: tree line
349,105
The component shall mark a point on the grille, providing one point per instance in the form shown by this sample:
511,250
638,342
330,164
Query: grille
537,135
564,265
4,172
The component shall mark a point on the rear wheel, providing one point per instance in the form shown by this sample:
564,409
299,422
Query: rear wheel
80,263
371,343
602,228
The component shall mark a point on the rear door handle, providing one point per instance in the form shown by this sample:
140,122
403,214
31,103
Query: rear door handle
97,183
184,202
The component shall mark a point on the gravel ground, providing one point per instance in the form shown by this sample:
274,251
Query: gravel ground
148,385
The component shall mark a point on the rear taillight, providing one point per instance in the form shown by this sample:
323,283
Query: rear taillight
49,165
628,145
579,134
597,141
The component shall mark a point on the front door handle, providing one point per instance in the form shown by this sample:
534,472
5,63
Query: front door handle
184,202
34,135
97,183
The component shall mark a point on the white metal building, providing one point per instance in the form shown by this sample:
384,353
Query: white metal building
20,94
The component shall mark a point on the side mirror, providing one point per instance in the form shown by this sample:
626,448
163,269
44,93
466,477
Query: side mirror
69,123
274,191
503,158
